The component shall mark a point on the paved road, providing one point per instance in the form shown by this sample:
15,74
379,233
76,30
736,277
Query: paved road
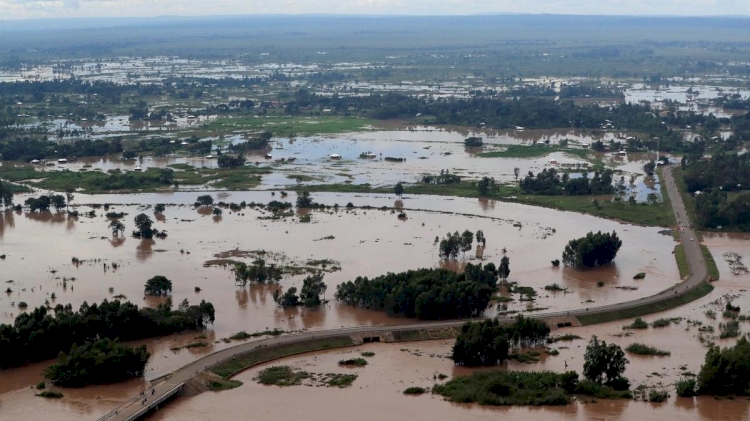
698,274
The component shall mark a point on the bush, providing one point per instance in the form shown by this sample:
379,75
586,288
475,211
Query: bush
640,275
641,349
638,323
555,287
726,371
281,376
50,394
41,385
658,395
556,262
368,354
357,362
686,387
414,390
600,391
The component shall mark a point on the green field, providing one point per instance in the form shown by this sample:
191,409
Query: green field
682,263
713,270
282,125
658,214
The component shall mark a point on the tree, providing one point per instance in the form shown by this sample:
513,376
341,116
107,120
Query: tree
41,204
399,189
603,363
481,238
592,250
117,227
287,299
258,272
649,167
6,196
450,246
159,208
726,371
57,201
504,270
304,200
205,200
473,142
486,186
312,287
143,225
467,240
488,342
229,161
69,196
217,211
158,285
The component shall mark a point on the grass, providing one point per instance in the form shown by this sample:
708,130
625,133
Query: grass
658,395
713,270
700,291
244,335
642,349
665,322
339,380
368,354
233,366
682,263
50,394
555,287
288,125
415,390
223,384
730,329
641,214
534,151
356,362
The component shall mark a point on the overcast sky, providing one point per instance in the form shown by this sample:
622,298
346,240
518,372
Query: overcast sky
21,9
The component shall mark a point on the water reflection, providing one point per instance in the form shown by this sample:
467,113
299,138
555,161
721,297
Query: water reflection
144,249
6,220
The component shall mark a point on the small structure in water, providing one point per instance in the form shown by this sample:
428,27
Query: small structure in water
552,161
335,156
62,161
139,169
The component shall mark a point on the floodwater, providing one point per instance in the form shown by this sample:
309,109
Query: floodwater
532,237
377,392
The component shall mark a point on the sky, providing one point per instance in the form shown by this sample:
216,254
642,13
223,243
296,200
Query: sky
24,9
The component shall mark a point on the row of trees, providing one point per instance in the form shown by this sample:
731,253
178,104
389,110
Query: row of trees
257,272
728,171
27,149
432,294
40,334
714,209
592,250
98,362
488,342
44,202
551,182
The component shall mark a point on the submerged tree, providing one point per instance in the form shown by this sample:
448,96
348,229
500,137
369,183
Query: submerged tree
312,287
399,189
592,250
504,270
143,225
257,272
117,227
604,363
158,285
450,246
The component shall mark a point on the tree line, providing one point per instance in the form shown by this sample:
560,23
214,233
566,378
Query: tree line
432,294
42,333
98,362
550,182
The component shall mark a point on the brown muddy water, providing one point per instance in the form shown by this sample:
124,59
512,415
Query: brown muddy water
40,247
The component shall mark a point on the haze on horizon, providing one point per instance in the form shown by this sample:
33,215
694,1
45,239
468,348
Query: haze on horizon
33,9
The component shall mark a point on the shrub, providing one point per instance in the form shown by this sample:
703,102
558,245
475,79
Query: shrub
555,287
637,324
658,395
556,262
686,387
357,362
414,390
50,394
368,354
641,349
639,275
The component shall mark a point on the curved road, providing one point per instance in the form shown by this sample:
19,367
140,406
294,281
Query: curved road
136,407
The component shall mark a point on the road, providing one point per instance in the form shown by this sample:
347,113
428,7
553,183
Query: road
136,407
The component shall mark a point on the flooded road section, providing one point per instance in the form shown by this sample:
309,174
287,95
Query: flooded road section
39,249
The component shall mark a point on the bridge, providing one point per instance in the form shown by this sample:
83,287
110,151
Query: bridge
150,399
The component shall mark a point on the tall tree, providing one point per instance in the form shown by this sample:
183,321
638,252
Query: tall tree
399,189
603,363
504,270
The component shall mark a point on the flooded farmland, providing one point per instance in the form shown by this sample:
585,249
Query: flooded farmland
195,238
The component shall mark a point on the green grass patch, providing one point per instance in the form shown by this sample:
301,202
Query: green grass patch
642,349
642,214
713,270
223,384
288,125
682,263
339,380
665,322
281,375
367,354
415,390
233,366
698,292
